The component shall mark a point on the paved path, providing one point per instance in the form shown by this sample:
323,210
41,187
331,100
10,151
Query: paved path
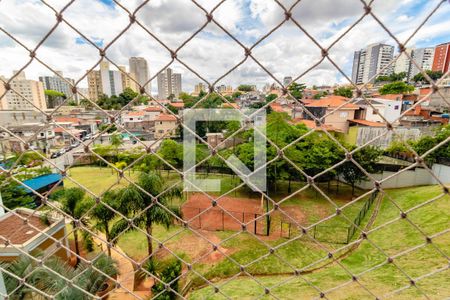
126,273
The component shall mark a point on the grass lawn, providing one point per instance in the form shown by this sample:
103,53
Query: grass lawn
96,179
391,240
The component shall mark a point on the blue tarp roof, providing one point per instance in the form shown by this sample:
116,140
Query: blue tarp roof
41,182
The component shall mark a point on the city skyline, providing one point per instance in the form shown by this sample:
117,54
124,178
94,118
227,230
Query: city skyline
250,20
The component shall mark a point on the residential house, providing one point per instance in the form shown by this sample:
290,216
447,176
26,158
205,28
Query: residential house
38,135
27,232
422,116
335,109
378,110
165,126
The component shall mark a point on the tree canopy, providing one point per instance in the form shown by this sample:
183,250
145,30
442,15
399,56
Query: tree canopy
434,75
398,87
344,92
391,78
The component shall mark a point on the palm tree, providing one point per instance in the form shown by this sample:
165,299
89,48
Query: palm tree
103,215
140,206
73,205
54,282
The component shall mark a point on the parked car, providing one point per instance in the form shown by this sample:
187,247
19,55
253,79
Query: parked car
62,151
55,155
74,145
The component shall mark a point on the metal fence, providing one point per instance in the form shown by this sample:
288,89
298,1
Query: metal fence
44,277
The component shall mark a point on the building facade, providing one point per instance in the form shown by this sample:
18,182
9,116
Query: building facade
169,83
423,57
28,95
95,89
59,84
139,72
441,60
372,62
403,62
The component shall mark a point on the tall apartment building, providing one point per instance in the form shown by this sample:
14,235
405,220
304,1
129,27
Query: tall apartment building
60,84
139,71
287,80
424,59
169,83
198,88
31,90
128,79
403,62
442,58
108,82
111,80
95,89
371,61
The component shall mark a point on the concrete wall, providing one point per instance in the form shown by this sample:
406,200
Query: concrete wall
409,178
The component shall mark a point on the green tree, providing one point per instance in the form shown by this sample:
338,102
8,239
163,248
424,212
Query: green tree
73,205
140,205
172,152
391,78
434,75
296,90
271,97
169,275
53,276
116,142
245,88
367,158
344,92
398,87
53,96
103,215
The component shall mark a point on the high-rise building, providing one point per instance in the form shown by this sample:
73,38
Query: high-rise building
111,80
372,62
442,58
403,62
105,81
28,95
139,71
128,79
199,88
423,57
59,84
169,83
95,89
287,80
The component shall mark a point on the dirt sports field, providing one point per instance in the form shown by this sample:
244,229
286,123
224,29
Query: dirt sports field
229,214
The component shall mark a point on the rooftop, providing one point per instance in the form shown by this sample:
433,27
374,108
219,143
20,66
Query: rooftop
40,182
166,117
368,123
135,114
14,228
332,101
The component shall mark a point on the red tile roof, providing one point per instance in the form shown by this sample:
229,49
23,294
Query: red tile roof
276,107
177,104
332,102
135,113
166,117
368,123
152,109
67,120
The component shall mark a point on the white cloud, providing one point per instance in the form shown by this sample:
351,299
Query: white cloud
288,51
